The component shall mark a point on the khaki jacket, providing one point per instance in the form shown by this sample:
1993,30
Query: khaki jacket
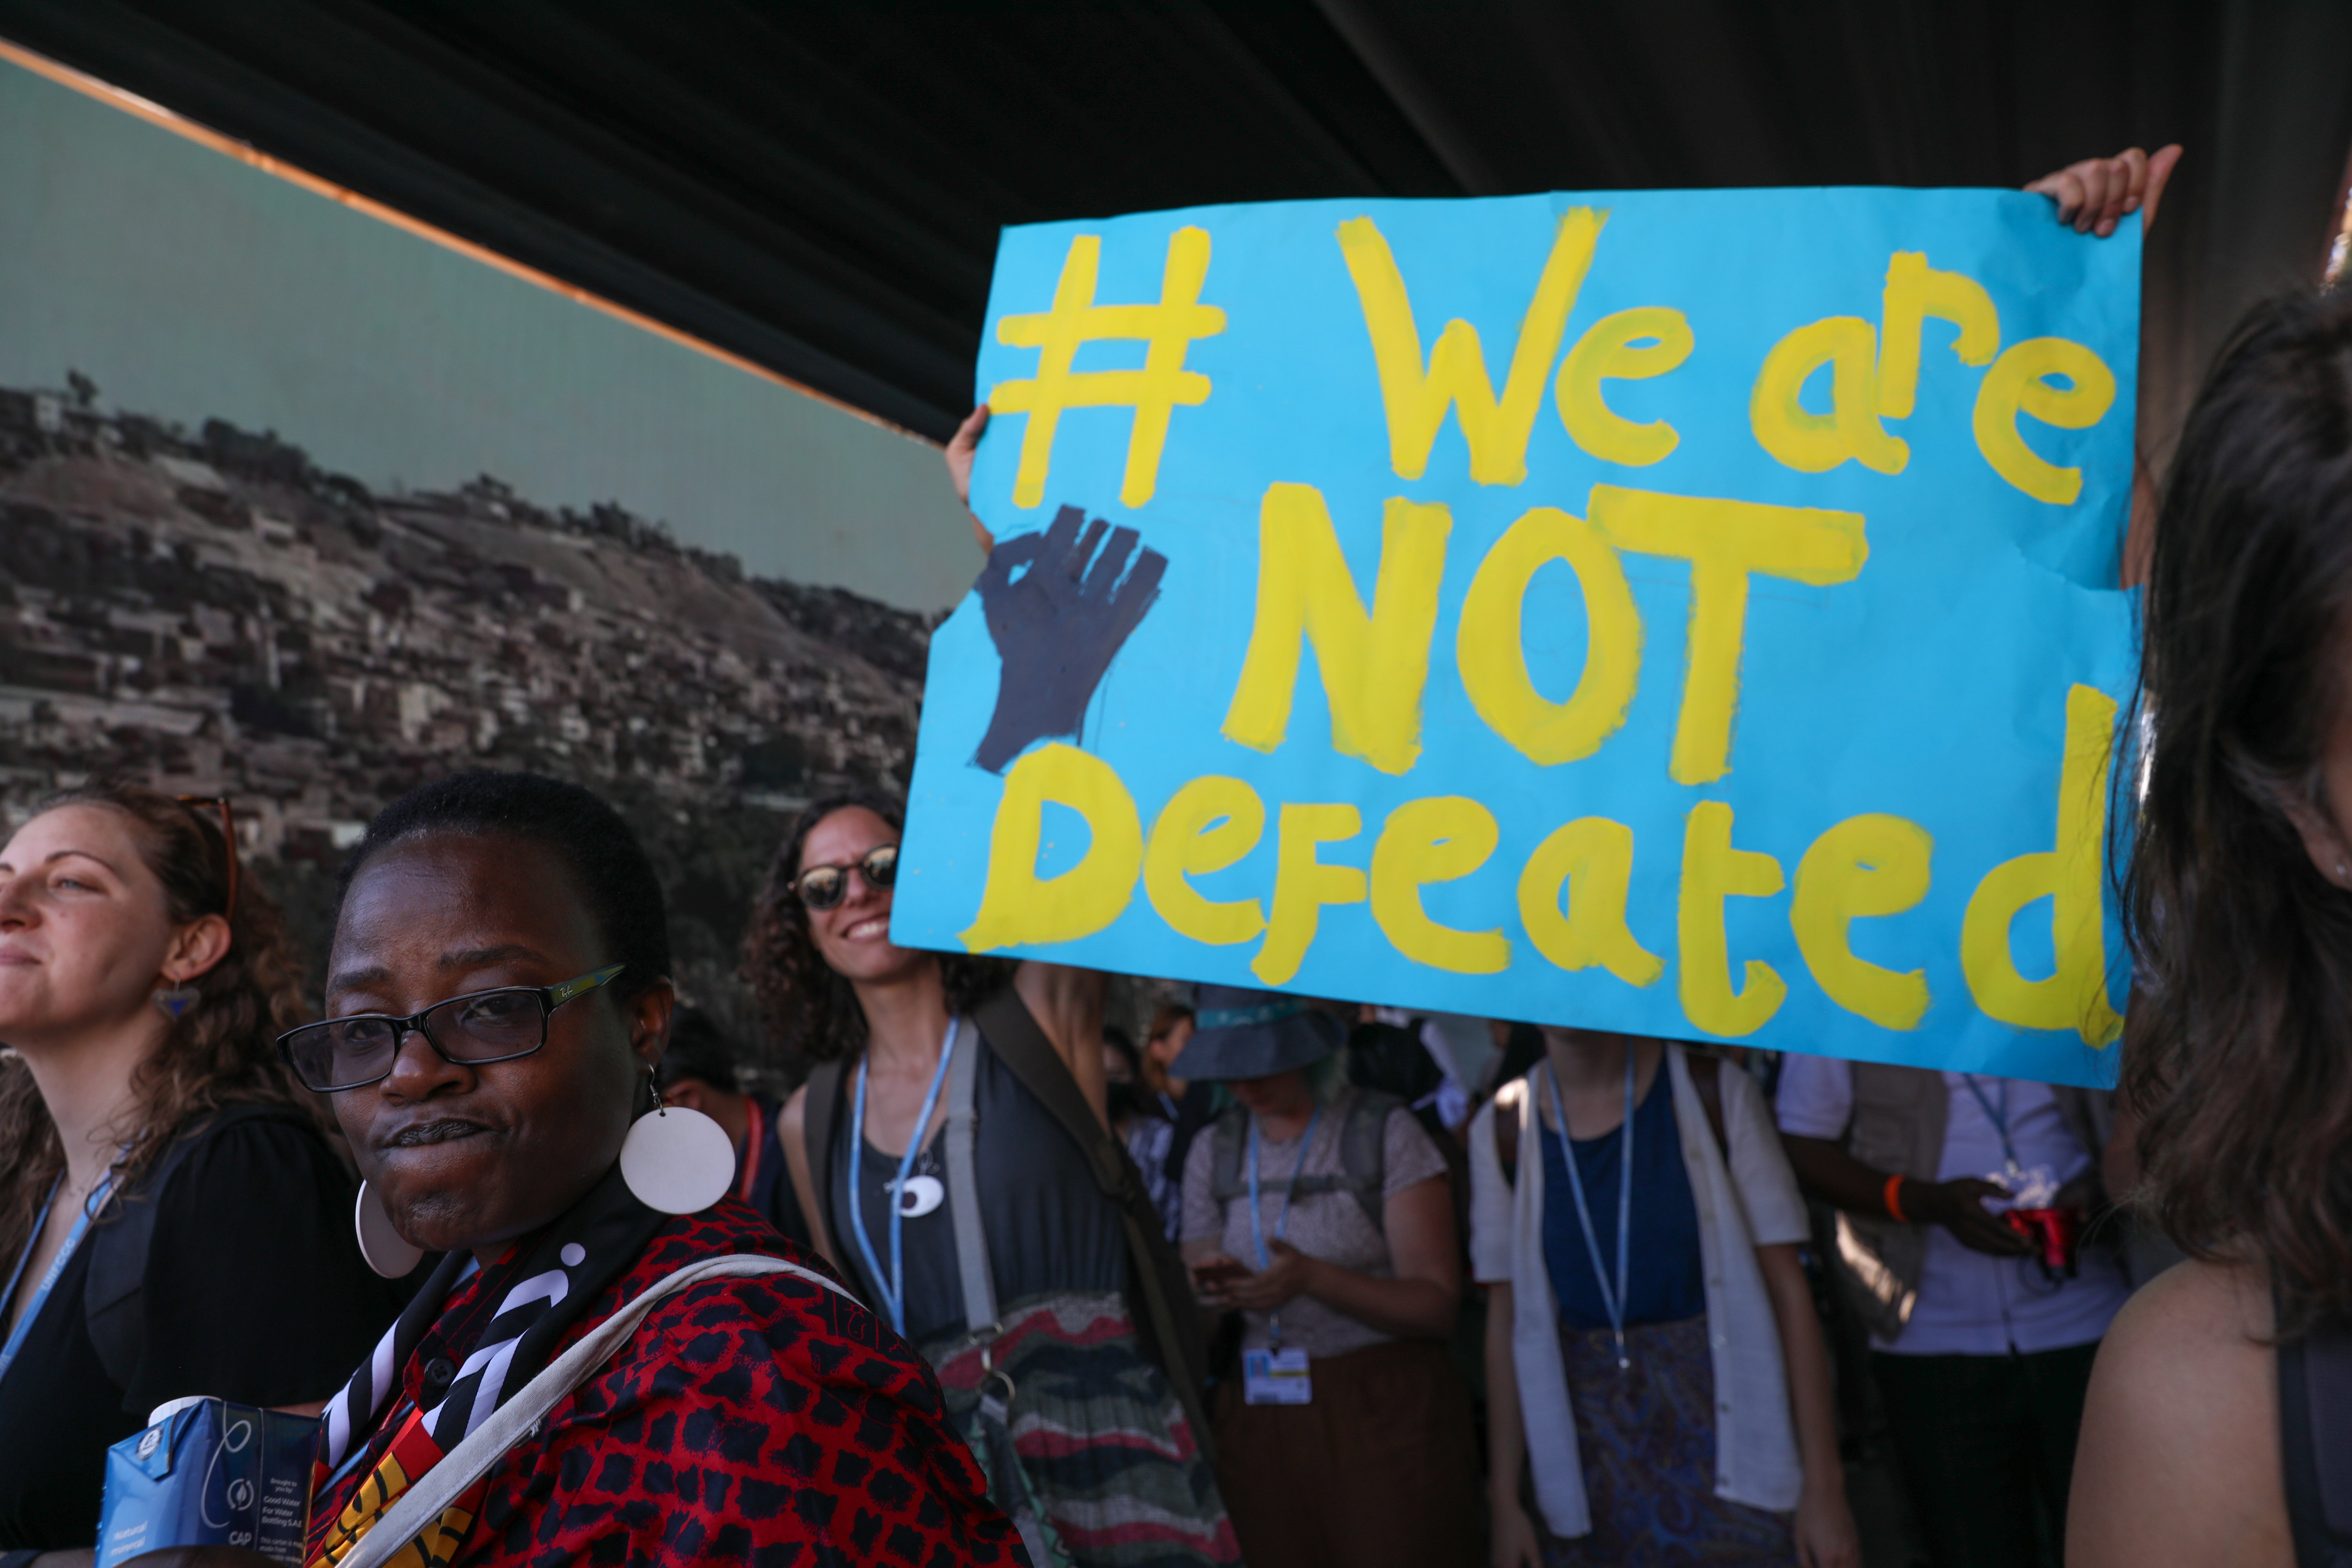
1899,1117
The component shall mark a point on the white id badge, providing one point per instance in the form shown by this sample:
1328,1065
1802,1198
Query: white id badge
1276,1377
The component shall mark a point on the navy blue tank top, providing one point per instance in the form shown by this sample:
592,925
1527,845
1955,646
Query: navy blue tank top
1666,1281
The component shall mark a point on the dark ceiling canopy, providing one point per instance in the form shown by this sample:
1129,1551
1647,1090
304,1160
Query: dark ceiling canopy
818,187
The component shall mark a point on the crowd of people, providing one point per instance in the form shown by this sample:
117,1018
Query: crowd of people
1292,1281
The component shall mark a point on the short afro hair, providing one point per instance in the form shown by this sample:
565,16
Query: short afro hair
623,895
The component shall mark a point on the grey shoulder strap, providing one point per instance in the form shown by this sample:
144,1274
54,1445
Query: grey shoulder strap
1225,1154
963,1179
1363,1153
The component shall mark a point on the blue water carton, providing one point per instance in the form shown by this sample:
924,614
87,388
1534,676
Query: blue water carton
209,1473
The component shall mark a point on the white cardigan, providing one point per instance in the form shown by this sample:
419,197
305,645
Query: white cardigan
1751,1203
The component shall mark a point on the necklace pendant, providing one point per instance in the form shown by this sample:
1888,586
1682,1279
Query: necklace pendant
1624,1363
919,1194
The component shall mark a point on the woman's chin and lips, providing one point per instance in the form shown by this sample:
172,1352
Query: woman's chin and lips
27,1005
442,1179
51,997
480,1168
1278,1094
860,948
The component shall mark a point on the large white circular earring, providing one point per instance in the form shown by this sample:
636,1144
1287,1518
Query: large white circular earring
676,1160
387,1252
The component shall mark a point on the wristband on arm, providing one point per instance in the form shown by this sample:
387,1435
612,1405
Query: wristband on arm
1892,1197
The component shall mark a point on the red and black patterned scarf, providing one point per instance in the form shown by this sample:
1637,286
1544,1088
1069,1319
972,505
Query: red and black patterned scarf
540,1289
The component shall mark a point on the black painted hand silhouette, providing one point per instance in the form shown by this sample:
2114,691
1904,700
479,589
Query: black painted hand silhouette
1057,625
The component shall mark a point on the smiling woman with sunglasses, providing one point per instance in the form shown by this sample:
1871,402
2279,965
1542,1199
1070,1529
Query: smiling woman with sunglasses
161,1177
499,990
1001,1255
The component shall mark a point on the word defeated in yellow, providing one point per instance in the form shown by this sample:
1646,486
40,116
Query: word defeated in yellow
1570,893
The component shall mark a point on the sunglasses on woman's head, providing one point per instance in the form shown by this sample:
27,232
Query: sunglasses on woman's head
196,803
821,887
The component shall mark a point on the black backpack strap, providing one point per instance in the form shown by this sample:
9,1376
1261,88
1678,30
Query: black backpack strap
1169,1324
114,1294
1363,1152
818,1114
2315,1443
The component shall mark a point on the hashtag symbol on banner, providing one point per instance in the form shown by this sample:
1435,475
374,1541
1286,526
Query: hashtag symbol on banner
1153,391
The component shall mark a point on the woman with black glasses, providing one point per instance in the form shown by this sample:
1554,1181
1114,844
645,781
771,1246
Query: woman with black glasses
954,1158
610,1359
173,1219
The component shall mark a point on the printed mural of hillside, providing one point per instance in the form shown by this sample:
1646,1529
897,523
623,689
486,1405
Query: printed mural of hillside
209,612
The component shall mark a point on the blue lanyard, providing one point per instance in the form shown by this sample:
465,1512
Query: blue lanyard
893,1286
1612,1301
1999,1119
1289,1194
56,1265
1289,1201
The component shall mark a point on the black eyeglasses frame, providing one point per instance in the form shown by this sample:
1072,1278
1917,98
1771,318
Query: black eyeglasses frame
550,997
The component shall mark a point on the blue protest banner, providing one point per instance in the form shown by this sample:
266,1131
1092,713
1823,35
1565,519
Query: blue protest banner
1685,613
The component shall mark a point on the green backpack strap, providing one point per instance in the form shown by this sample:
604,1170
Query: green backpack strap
1227,1137
1363,1152
1363,1156
818,1115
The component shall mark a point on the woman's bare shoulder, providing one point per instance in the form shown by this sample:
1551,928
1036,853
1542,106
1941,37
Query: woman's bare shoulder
2203,1310
2178,1461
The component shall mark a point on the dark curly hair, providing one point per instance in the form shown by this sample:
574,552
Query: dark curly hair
222,1049
595,843
811,1010
2238,1051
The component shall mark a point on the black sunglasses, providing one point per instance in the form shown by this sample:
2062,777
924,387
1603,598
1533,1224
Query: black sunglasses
821,887
480,1026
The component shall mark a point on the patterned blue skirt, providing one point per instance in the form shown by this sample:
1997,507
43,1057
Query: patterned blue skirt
1647,1436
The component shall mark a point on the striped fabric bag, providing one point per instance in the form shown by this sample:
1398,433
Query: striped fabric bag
1085,1445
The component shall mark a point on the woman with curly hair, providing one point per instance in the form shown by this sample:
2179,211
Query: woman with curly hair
173,1219
953,1157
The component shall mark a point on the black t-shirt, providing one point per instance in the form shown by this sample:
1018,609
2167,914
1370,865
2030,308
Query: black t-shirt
255,1292
1049,1228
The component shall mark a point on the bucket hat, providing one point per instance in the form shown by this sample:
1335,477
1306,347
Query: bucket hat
1239,1033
